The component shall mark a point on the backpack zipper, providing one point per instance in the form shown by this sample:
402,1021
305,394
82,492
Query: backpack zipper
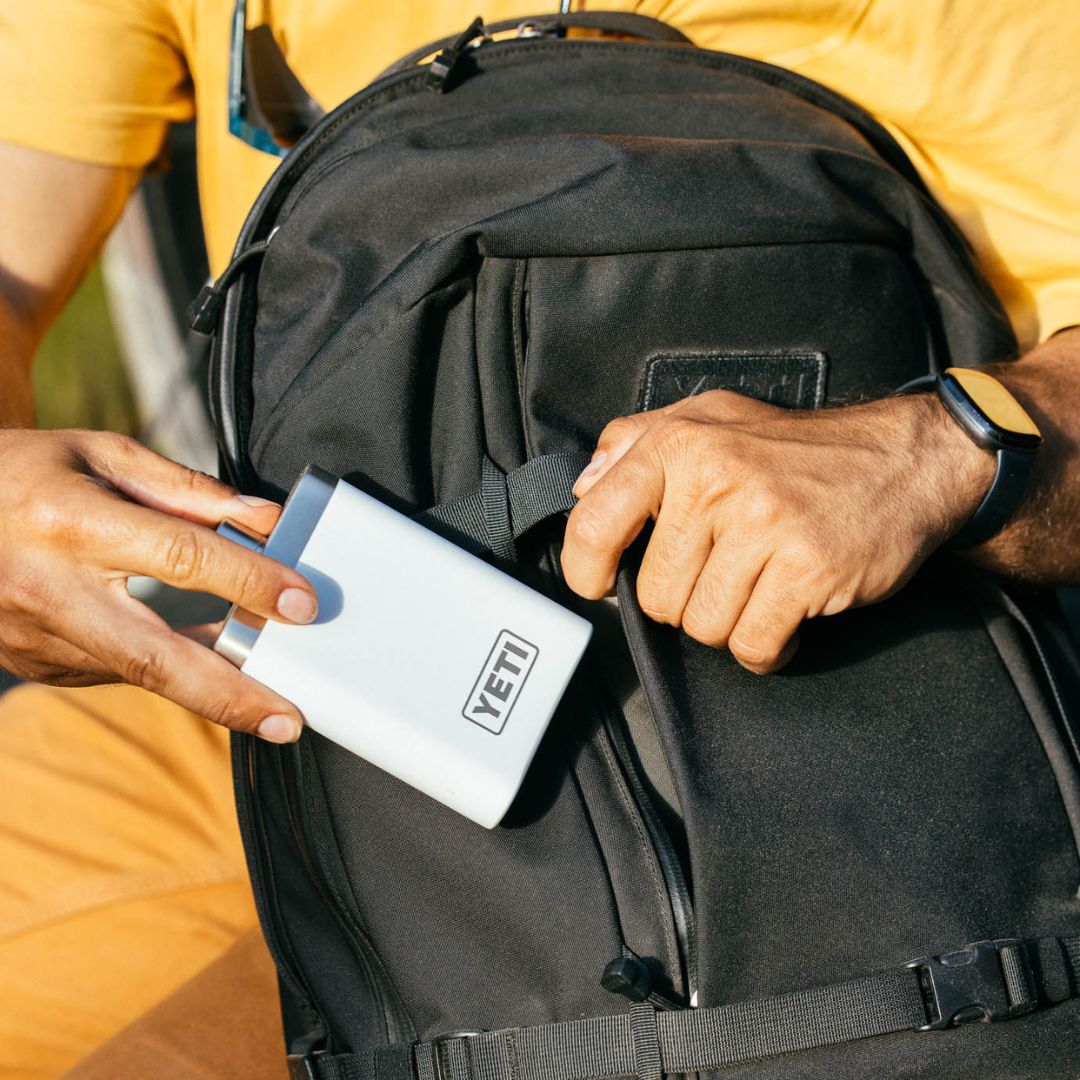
251,827
1045,668
614,733
396,1024
682,908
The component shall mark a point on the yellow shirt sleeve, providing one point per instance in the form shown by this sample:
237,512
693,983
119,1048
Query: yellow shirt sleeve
97,80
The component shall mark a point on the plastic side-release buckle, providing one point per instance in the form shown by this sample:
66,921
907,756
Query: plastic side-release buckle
440,1040
984,981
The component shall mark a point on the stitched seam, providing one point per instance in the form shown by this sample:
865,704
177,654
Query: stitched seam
512,1054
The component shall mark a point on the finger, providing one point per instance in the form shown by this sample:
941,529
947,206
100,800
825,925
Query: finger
763,638
164,485
143,651
676,553
621,434
606,521
722,590
136,540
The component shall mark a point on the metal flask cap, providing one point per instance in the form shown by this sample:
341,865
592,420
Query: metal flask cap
299,517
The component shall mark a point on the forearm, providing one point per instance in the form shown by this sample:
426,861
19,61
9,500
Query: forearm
1042,543
54,216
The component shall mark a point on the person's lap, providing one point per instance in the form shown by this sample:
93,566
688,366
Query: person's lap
122,873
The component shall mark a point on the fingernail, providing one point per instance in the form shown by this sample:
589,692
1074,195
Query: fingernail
279,729
593,467
297,606
255,501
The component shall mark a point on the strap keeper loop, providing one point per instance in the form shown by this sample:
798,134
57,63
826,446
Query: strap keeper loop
456,1060
648,1063
495,497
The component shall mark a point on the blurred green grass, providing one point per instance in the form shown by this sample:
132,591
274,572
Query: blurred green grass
79,377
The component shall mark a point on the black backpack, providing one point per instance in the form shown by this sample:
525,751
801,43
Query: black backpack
479,261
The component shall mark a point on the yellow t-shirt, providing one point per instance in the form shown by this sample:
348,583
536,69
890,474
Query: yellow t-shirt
982,95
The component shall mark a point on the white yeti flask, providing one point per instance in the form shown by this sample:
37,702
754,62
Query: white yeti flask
423,659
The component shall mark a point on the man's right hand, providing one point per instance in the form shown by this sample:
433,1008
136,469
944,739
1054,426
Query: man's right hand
80,513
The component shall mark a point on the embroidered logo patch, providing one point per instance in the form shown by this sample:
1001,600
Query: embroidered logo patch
795,380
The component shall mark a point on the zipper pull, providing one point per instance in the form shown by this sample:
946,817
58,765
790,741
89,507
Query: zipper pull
442,67
205,309
630,977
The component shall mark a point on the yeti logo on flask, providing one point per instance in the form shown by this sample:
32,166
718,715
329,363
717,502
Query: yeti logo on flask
501,679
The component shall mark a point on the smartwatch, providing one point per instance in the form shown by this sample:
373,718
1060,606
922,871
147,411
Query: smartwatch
997,422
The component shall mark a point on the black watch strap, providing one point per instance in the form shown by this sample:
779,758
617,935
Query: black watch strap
1000,502
1006,490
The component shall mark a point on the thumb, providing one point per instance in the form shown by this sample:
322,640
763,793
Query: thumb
615,440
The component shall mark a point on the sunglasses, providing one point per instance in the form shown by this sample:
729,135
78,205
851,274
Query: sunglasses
269,108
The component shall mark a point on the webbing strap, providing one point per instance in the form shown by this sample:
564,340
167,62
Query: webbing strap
506,505
994,980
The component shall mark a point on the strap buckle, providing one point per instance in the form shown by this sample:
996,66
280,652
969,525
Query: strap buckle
445,1037
984,981
303,1066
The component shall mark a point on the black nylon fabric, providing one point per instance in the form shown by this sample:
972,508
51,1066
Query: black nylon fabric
574,231
848,760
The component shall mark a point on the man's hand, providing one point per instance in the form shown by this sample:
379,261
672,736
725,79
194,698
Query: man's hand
765,517
82,511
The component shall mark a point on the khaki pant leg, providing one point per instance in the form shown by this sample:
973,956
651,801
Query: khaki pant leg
224,1024
121,871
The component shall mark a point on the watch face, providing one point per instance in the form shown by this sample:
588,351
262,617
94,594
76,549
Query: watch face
1000,418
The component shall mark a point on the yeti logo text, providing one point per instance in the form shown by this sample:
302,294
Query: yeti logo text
501,679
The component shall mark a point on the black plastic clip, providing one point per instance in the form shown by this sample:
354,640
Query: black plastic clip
205,309
629,976
984,981
445,1037
442,67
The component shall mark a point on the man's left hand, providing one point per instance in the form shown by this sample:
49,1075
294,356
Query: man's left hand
766,516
